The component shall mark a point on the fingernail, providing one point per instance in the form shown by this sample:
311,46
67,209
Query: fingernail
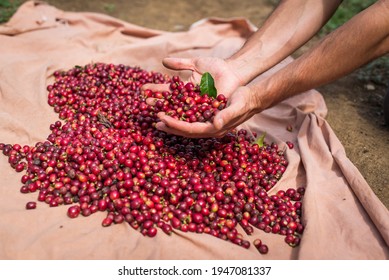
160,115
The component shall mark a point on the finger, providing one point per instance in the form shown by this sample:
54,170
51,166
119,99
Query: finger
155,87
163,127
182,128
230,117
151,101
176,63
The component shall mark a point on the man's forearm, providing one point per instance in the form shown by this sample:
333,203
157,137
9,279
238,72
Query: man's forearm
291,25
362,39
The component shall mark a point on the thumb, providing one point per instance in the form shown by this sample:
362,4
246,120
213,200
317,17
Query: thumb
218,121
231,116
225,118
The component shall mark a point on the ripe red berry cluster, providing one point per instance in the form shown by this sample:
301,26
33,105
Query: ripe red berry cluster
186,102
106,155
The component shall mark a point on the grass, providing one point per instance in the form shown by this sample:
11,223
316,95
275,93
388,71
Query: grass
376,72
346,11
7,9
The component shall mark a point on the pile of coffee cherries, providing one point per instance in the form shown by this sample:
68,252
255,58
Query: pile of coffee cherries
105,154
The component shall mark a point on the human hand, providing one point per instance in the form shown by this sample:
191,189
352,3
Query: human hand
241,106
226,78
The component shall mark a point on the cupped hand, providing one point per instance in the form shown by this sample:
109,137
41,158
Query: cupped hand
241,106
226,78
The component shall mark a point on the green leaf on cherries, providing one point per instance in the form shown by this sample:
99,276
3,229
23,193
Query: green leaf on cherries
261,140
207,85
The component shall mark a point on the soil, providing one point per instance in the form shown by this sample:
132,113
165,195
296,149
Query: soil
355,109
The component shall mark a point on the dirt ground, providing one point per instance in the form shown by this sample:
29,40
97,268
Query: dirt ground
355,113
